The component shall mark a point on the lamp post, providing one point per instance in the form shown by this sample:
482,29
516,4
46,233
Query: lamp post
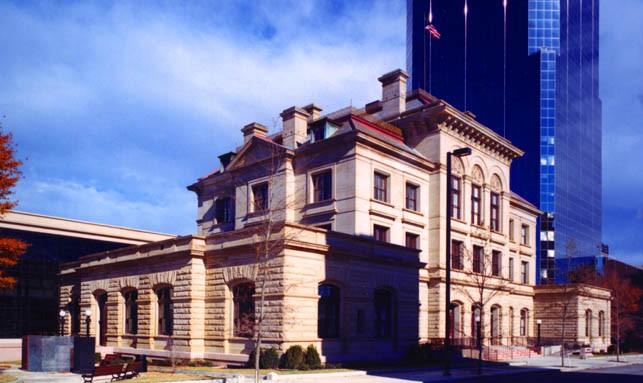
88,319
538,323
447,307
479,342
62,314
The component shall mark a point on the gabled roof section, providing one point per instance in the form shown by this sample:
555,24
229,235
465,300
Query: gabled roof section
436,114
256,149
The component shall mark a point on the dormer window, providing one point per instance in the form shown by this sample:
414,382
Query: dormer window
320,130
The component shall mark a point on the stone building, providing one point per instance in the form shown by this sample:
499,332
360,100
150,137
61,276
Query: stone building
582,310
337,224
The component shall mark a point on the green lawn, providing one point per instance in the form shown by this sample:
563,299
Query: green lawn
151,377
250,371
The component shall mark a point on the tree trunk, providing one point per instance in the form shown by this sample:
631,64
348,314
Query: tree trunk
258,329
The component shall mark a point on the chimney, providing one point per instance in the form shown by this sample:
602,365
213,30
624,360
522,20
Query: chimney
295,122
393,93
253,129
313,109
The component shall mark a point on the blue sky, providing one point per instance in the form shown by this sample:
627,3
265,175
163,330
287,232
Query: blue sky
118,106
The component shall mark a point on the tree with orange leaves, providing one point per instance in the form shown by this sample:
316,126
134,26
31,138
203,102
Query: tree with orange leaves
10,249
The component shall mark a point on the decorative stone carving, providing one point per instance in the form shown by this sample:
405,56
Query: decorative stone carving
476,175
457,168
240,272
496,184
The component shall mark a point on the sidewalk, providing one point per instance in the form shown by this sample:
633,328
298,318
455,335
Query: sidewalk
522,366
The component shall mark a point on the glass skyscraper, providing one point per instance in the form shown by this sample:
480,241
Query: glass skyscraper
528,69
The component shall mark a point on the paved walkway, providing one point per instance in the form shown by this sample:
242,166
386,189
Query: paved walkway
521,366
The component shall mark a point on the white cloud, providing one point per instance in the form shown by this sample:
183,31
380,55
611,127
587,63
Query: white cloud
174,212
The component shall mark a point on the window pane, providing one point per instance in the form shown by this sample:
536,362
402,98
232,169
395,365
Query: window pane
244,309
380,233
165,311
475,205
411,197
328,311
260,194
322,186
380,187
412,240
383,313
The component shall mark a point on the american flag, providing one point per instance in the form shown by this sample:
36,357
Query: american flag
432,31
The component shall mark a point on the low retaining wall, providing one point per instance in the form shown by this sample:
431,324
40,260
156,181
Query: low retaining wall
10,349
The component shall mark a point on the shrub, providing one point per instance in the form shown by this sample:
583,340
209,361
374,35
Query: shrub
268,358
312,359
420,354
294,358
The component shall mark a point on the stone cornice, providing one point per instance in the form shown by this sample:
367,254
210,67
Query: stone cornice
442,117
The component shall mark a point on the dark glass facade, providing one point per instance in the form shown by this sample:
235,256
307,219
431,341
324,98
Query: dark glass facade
528,69
31,307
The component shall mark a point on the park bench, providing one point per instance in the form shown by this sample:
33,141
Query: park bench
113,370
111,359
132,370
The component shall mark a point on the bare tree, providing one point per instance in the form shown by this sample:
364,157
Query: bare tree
482,283
269,201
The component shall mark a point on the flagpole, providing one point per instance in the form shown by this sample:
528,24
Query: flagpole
430,48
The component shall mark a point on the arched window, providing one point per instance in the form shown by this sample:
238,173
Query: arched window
328,311
101,302
495,325
74,311
524,314
588,323
165,311
476,320
244,309
383,313
455,316
511,324
601,324
131,311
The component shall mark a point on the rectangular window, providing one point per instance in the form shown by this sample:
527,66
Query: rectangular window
511,229
380,187
223,210
524,272
131,312
495,212
496,258
381,233
456,255
455,197
412,240
411,197
260,197
511,269
323,186
475,205
524,234
478,258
